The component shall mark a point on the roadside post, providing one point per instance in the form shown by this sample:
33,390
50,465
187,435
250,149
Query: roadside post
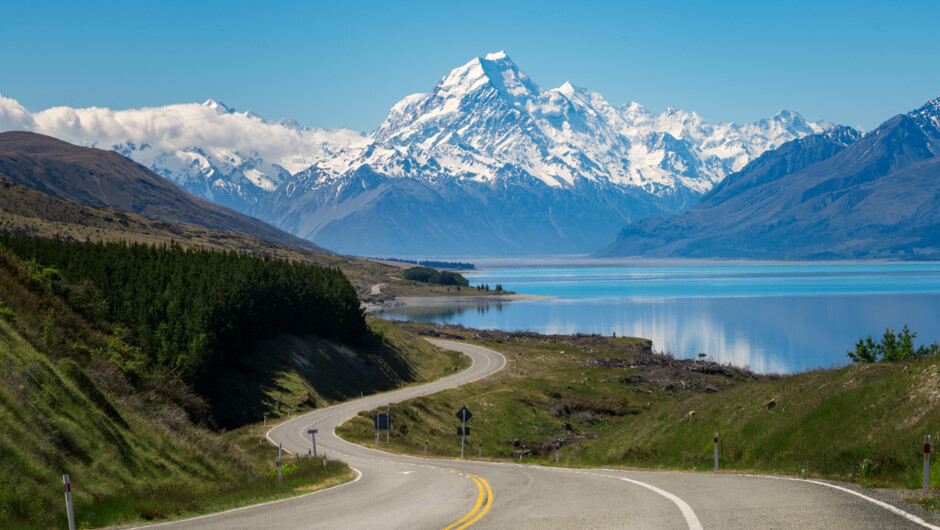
252,433
388,414
259,439
716,452
324,459
480,455
926,463
313,435
556,451
265,420
68,501
426,447
463,415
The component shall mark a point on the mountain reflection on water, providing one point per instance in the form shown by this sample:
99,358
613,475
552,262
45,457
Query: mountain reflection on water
780,328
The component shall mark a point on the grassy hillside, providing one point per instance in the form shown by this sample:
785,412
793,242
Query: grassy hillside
101,177
130,455
612,402
133,438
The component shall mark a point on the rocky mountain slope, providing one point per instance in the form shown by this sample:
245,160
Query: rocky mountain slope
833,195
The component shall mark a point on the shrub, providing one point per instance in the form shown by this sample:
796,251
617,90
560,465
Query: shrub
892,348
6,313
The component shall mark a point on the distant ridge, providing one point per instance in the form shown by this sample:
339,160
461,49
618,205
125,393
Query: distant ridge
834,195
107,179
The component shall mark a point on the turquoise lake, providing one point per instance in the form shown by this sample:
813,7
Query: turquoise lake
770,318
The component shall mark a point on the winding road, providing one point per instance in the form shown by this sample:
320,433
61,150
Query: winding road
393,491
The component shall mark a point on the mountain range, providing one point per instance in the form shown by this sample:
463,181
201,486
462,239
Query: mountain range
834,195
487,162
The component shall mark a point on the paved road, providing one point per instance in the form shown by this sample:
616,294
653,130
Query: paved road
394,491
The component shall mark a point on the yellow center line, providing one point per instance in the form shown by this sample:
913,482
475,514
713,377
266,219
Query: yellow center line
475,506
489,503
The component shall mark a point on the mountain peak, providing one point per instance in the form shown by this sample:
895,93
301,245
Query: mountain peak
567,89
218,106
928,112
495,70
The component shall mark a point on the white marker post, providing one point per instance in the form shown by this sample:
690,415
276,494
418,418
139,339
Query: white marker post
265,420
252,433
324,459
68,501
926,463
426,447
716,452
481,451
388,432
280,478
556,452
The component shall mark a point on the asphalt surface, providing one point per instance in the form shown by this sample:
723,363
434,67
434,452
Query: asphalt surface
393,491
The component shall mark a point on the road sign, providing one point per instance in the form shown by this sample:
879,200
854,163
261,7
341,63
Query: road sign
382,422
464,415
312,431
463,431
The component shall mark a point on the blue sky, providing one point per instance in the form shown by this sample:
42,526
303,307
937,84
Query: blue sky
344,64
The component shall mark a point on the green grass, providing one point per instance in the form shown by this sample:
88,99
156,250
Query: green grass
139,450
862,423
128,459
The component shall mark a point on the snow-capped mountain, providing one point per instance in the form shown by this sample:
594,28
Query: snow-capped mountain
833,195
489,162
230,158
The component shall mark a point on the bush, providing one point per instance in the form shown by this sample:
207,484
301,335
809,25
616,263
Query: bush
892,348
6,313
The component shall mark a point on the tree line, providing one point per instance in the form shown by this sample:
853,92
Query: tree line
188,309
429,275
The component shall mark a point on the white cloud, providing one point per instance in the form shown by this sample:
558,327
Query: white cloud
13,117
175,127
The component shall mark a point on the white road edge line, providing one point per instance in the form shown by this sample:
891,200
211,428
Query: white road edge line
690,518
252,506
687,512
909,516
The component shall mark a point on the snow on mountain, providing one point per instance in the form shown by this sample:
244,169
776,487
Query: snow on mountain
488,113
487,134
209,149
563,163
